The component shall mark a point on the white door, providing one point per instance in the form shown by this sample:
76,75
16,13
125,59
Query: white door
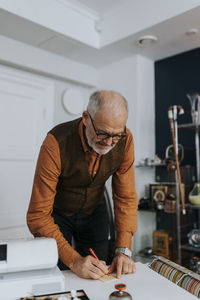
26,114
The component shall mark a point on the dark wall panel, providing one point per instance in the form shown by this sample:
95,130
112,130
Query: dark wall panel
175,77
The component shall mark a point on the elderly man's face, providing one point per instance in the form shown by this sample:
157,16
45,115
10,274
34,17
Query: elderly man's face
100,129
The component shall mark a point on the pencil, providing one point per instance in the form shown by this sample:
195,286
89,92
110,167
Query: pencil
95,256
93,253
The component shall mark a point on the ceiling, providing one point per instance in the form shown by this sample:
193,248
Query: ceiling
101,7
170,33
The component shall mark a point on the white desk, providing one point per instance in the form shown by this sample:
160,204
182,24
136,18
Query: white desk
145,284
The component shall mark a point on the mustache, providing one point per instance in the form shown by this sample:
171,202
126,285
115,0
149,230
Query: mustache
102,143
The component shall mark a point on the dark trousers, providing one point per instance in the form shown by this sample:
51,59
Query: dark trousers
87,231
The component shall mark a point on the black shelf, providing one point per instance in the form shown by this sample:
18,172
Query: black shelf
189,126
192,206
139,165
190,248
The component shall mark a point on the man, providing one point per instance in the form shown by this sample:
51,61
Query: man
75,161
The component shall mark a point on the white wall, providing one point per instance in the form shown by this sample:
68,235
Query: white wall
134,79
20,230
145,145
26,114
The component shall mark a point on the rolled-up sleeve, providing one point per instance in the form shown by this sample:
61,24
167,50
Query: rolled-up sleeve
125,196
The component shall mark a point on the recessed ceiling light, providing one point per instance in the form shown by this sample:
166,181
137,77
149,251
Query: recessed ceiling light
147,40
191,31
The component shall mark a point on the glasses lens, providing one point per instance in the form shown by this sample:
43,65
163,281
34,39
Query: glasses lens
115,138
103,136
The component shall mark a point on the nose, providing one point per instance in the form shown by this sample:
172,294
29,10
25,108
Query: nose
109,141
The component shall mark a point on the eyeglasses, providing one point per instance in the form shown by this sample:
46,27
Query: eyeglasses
105,135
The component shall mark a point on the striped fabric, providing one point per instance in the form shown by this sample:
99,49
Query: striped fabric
181,276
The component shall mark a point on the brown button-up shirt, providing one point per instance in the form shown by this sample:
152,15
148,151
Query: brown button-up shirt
48,169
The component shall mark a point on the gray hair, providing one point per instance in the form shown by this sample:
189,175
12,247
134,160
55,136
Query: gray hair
96,101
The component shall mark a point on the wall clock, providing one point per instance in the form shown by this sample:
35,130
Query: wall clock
72,101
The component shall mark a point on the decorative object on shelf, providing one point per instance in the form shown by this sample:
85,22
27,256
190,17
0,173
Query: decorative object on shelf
144,204
150,162
161,243
170,204
169,190
159,198
194,238
169,153
173,111
72,101
158,195
197,130
195,113
144,256
171,165
194,195
194,99
195,264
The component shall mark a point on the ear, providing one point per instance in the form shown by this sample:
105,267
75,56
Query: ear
85,117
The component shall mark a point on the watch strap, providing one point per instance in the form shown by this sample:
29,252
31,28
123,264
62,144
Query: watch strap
125,251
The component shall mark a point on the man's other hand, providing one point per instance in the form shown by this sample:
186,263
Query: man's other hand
122,264
88,267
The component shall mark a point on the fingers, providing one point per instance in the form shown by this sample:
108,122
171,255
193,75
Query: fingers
101,264
133,267
128,266
88,267
119,267
98,267
123,265
112,267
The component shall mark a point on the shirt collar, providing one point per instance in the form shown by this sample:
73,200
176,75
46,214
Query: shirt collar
81,129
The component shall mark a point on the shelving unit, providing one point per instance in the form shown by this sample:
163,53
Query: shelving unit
184,223
196,129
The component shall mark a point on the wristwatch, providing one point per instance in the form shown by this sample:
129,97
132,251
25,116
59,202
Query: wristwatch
125,251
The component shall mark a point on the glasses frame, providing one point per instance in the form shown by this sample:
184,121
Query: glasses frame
107,135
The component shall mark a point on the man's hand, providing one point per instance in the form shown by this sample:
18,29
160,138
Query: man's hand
88,267
123,265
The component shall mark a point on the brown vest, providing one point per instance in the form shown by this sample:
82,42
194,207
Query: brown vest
76,190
